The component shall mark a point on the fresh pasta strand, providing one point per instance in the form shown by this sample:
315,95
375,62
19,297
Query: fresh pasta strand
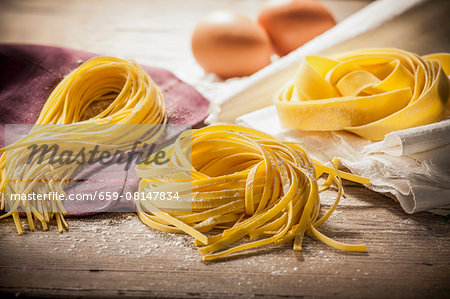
134,99
243,182
368,92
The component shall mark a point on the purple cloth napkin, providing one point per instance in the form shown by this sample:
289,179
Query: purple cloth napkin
28,74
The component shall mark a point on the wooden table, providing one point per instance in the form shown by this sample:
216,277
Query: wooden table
115,254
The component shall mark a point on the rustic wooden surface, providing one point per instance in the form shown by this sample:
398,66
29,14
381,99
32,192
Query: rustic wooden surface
154,32
115,254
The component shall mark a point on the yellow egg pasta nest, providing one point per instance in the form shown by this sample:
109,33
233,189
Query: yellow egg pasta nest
134,99
243,183
368,92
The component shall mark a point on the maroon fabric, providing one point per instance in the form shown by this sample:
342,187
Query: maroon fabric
28,74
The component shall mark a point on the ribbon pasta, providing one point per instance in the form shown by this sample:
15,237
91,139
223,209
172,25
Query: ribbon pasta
133,99
243,182
368,92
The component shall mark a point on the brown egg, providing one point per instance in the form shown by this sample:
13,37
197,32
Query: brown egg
291,23
230,45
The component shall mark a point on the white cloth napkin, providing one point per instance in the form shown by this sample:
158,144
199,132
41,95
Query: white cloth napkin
412,166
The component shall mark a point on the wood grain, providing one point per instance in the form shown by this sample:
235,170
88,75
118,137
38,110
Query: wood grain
153,32
113,255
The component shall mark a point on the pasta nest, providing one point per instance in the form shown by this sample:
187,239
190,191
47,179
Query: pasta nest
241,182
131,97
368,92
